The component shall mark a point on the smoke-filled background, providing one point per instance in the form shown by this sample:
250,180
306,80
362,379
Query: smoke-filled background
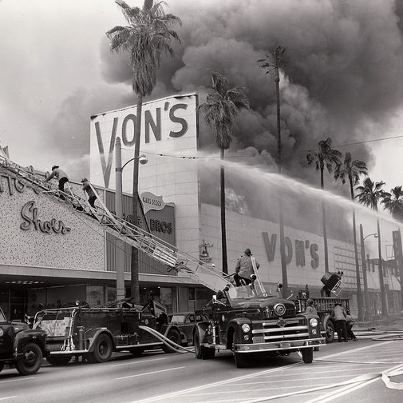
342,78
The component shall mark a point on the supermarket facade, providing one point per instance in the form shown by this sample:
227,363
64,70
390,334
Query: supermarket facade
51,255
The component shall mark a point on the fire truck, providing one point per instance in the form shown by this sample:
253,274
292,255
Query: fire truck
95,333
245,320
324,305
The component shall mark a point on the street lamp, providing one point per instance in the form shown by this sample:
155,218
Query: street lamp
120,256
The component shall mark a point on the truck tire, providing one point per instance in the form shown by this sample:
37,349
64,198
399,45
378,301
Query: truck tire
307,355
58,360
196,342
31,359
174,336
241,360
207,353
102,349
329,331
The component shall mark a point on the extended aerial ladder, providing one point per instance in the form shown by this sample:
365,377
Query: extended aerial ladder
133,235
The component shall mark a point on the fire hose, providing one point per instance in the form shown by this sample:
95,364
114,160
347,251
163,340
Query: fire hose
169,343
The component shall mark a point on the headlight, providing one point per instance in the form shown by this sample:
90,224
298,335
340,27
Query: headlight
313,322
245,328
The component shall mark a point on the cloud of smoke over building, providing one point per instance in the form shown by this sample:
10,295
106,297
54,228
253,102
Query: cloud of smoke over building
342,73
341,78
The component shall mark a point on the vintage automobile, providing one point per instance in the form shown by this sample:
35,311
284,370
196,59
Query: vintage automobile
248,321
185,322
21,346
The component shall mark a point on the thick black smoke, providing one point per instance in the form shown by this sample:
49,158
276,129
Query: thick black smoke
342,77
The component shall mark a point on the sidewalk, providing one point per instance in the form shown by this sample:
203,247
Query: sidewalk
389,324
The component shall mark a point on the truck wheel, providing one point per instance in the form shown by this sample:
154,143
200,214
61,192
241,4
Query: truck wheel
241,360
30,361
103,349
198,351
58,360
307,355
207,353
174,336
329,331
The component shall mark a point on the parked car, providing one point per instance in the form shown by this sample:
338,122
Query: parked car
185,322
21,346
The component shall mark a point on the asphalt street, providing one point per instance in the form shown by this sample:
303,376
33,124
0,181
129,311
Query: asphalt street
340,371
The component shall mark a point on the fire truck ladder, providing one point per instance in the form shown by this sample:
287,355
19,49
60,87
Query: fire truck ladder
129,233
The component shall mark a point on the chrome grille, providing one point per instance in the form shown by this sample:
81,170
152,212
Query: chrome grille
279,330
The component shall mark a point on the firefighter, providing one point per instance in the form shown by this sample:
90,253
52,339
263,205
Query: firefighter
310,309
60,175
339,315
244,270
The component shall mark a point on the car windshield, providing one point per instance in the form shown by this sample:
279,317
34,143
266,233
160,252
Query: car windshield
178,318
245,292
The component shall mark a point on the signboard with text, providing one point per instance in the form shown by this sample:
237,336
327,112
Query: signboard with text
168,125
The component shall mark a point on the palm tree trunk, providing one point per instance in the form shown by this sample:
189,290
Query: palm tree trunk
134,267
357,266
223,221
324,225
381,282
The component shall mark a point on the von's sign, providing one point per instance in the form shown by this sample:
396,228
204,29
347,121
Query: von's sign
167,125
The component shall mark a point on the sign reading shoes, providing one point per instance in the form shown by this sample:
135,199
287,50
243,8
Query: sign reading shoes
29,214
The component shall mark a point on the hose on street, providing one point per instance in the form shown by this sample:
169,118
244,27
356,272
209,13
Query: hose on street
174,347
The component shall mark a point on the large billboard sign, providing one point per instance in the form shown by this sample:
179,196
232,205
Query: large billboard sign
167,125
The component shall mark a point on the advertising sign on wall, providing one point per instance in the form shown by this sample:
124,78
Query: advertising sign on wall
167,125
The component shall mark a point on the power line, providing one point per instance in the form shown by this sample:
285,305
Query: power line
251,156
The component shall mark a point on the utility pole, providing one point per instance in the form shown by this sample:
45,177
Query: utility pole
278,53
381,282
364,275
120,255
271,63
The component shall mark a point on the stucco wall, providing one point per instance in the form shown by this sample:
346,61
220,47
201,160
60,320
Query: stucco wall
80,248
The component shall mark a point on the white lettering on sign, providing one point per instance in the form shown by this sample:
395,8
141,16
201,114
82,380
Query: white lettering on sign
151,202
164,121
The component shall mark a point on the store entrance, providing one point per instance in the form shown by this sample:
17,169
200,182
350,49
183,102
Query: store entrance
13,301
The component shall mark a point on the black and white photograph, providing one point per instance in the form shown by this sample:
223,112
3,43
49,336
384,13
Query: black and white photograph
201,202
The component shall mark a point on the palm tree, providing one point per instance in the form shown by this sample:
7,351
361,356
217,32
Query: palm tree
369,194
352,170
393,202
147,36
324,157
220,109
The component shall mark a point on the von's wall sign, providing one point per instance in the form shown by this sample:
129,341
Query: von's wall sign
167,124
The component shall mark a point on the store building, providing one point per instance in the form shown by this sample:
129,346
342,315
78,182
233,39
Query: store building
52,255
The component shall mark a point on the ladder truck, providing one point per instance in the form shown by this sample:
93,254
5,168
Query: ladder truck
245,319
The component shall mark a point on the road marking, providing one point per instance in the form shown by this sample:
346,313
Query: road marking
149,373
214,384
18,379
264,372
138,362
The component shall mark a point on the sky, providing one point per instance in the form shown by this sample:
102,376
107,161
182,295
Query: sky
342,77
